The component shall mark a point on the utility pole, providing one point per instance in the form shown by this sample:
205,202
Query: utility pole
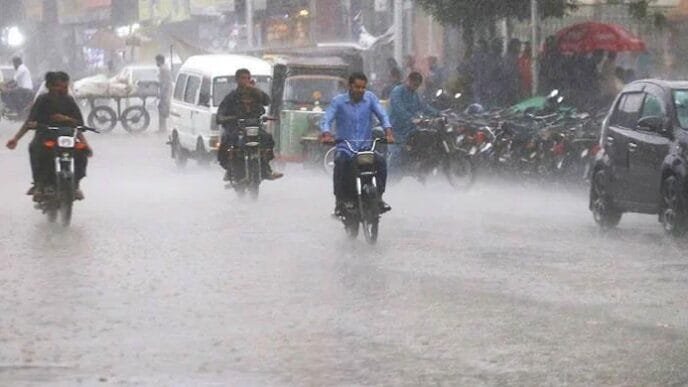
249,23
399,31
535,43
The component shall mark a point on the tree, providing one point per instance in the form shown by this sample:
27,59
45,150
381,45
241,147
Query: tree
475,16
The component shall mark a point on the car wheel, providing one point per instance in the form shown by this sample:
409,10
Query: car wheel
603,210
674,214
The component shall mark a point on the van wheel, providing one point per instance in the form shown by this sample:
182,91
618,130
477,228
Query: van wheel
202,156
674,211
603,211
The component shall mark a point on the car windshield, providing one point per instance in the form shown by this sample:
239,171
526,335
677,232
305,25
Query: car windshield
306,90
681,104
224,85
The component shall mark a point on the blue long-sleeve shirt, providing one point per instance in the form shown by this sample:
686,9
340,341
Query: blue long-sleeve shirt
354,120
404,105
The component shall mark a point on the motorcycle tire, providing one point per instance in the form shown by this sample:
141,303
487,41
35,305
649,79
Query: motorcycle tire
254,179
351,226
370,213
102,118
328,160
66,199
460,172
51,214
135,119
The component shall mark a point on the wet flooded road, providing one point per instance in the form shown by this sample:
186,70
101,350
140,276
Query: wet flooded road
166,278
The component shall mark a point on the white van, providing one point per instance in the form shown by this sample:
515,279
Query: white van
202,83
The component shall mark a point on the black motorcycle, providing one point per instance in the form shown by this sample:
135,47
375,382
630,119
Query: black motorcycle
23,98
245,157
58,198
435,147
362,207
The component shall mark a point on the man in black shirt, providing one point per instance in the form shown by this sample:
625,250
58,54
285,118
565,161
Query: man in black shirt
245,102
56,108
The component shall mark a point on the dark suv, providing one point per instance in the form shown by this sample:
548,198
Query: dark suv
643,164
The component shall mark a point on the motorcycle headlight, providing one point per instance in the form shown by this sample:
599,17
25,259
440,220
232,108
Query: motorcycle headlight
65,142
252,131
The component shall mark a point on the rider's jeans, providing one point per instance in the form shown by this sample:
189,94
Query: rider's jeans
344,179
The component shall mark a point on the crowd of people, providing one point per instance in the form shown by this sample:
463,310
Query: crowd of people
497,77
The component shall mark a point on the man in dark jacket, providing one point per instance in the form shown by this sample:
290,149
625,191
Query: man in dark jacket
245,102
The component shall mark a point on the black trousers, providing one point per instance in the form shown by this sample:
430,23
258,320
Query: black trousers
43,163
344,179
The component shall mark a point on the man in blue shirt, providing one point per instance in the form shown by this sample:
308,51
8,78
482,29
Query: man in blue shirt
405,104
353,113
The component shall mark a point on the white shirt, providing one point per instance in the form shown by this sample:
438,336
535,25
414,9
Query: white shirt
23,77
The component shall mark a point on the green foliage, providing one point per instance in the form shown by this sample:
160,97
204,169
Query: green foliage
472,13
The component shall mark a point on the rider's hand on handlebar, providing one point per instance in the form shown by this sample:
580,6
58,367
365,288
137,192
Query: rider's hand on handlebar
389,136
327,138
63,118
12,143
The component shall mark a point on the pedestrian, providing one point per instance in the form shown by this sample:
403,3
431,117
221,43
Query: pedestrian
525,64
394,81
510,74
164,92
409,65
435,78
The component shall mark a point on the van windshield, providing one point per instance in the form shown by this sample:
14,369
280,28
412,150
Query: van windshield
681,105
224,85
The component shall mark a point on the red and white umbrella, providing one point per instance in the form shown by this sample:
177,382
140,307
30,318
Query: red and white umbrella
591,36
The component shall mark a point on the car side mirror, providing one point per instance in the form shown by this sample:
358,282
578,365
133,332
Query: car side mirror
651,124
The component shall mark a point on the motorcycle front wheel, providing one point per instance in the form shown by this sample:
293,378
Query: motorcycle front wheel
65,190
460,171
254,179
370,213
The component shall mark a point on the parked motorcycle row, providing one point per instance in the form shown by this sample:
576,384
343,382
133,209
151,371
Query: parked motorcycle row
540,140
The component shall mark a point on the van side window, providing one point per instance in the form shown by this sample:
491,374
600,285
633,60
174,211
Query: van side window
627,111
204,95
179,87
192,85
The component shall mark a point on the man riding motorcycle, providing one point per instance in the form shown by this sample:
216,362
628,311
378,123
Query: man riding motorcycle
55,109
353,114
17,94
245,102
405,105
